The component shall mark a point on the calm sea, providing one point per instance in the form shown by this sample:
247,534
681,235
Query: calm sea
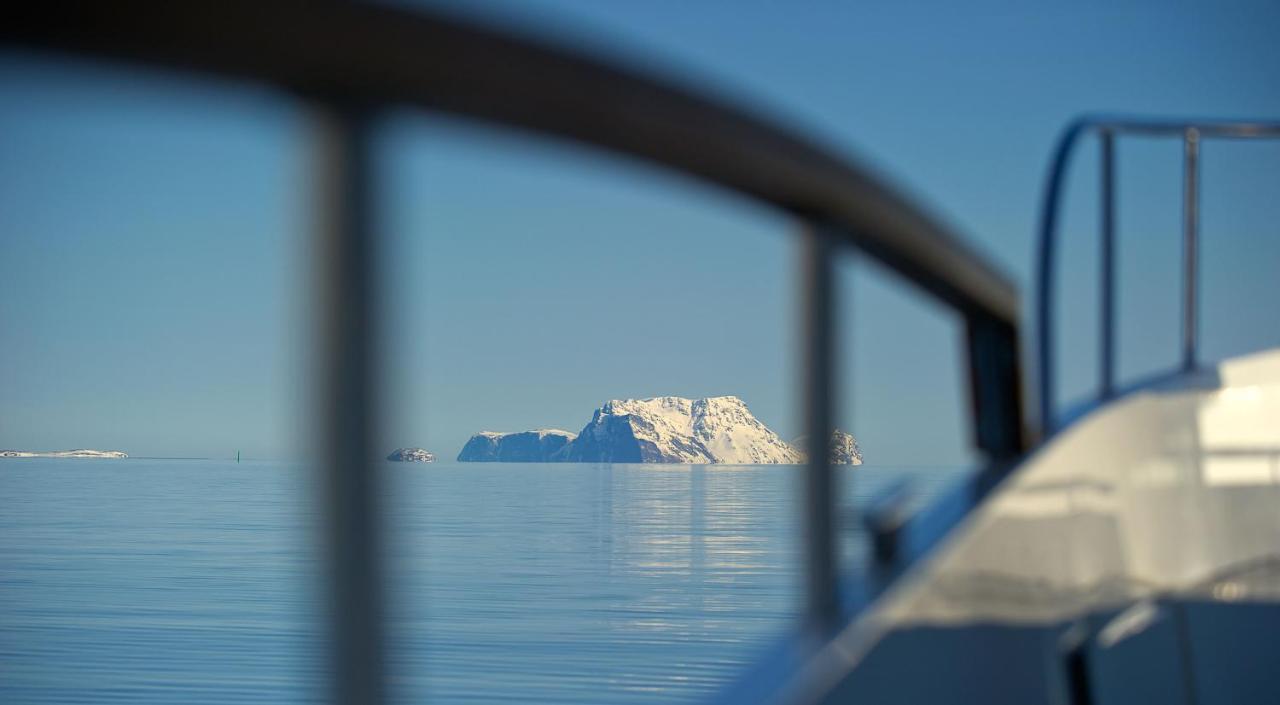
179,581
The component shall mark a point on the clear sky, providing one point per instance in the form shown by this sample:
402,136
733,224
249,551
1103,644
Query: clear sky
153,232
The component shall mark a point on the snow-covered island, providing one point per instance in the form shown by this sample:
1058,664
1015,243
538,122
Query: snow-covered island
78,453
712,430
412,455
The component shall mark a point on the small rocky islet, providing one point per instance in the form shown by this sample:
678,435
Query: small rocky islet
412,455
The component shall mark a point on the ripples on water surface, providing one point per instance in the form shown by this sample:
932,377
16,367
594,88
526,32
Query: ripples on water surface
161,581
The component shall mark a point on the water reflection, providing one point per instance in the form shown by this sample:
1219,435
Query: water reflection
601,583
194,581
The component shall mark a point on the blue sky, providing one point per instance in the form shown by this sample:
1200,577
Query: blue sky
152,232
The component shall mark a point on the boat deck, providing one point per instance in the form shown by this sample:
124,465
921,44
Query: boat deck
1135,558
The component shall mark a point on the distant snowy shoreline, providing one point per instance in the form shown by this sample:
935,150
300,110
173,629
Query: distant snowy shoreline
78,453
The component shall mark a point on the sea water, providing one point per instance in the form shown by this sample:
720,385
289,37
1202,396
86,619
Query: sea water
198,581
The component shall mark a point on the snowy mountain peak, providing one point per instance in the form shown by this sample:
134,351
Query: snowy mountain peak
657,430
678,430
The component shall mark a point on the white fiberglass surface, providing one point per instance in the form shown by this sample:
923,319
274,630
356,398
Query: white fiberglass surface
1163,491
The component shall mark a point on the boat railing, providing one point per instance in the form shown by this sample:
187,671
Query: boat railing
1108,130
348,61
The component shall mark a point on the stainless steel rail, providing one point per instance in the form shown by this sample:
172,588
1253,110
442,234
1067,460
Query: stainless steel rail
348,60
818,310
347,423
1108,129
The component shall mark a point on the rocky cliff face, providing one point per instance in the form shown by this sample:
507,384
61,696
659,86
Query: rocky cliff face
411,455
540,446
678,430
844,449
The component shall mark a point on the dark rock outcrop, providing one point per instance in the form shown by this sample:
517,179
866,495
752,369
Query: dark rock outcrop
540,446
844,449
412,455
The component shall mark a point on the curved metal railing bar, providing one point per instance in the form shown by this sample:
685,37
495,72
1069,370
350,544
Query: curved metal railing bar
1108,128
364,53
347,60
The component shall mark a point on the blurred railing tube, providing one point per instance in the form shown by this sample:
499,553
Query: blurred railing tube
346,423
1109,129
1190,246
1107,315
817,300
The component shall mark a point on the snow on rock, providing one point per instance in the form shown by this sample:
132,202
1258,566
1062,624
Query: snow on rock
844,449
538,446
659,430
678,430
412,455
78,453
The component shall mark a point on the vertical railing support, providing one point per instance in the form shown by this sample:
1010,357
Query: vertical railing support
1190,246
1107,301
346,427
1191,135
995,381
817,300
